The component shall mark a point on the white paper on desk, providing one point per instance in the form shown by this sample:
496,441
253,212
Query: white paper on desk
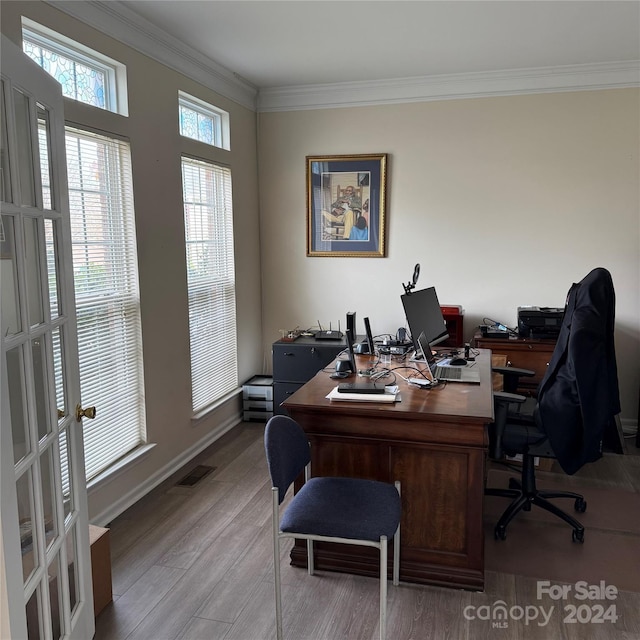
390,395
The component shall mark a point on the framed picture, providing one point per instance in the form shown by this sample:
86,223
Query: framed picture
346,205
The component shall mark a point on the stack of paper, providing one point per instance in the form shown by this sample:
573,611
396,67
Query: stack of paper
391,394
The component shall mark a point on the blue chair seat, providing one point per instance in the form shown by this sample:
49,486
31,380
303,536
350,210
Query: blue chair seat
344,508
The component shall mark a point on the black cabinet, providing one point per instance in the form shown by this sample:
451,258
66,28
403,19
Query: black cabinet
294,363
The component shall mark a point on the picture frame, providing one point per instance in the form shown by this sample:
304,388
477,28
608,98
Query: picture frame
346,205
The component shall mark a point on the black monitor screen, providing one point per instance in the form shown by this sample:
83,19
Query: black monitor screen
352,357
367,328
423,313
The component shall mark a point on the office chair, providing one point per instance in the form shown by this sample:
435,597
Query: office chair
344,510
577,399
525,437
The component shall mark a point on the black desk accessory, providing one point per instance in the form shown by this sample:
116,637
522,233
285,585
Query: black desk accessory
359,387
343,367
412,285
329,334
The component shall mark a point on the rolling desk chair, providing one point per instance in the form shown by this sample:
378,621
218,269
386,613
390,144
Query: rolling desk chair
578,399
344,510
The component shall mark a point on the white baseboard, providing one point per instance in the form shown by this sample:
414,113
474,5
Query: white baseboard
629,427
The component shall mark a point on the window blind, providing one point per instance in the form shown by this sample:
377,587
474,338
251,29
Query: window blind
208,218
107,296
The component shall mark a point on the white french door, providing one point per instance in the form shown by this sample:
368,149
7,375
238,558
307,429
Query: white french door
44,538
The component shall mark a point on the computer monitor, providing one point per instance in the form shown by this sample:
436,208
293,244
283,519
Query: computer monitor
351,323
367,328
352,358
424,315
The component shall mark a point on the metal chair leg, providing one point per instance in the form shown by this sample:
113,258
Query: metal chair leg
383,587
310,565
396,548
276,565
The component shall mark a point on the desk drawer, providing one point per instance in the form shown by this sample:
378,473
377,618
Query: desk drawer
281,391
258,405
292,363
523,354
537,361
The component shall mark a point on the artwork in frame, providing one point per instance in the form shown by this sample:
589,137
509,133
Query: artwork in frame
346,205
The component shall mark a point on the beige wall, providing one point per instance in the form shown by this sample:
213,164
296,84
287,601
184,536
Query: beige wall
503,201
152,129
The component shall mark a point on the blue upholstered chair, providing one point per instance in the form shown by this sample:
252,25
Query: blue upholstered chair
344,510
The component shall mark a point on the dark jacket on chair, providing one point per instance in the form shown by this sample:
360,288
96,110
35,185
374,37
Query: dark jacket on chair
578,397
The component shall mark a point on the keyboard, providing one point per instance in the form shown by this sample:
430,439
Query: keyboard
448,373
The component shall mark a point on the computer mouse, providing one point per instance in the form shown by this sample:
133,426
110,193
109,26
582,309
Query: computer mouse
458,362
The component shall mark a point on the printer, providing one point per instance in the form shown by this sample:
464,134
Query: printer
540,322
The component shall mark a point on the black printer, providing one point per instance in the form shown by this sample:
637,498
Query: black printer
540,322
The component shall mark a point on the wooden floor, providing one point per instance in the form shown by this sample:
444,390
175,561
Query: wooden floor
195,563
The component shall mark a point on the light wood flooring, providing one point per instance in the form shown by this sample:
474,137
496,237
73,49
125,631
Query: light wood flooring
195,563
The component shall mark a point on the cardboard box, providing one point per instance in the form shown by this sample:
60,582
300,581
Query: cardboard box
100,567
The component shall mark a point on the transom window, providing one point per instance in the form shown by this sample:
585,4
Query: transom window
202,121
85,75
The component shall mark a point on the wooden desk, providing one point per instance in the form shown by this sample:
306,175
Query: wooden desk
434,442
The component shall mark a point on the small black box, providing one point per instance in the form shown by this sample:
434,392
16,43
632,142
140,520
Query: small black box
400,349
491,332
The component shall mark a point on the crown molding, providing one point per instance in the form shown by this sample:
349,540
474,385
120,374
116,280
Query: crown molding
581,77
119,22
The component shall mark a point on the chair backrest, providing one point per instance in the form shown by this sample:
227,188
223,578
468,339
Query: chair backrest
287,450
578,396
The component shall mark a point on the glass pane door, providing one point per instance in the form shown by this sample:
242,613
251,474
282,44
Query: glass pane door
45,542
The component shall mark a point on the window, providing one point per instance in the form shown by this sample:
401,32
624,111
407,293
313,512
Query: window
85,75
203,122
107,298
208,220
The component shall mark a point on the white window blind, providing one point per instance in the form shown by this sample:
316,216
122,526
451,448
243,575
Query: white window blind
107,296
208,218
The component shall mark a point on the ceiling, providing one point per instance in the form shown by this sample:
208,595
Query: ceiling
295,43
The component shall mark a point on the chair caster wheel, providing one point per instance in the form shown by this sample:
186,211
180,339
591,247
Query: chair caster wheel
580,505
500,533
578,535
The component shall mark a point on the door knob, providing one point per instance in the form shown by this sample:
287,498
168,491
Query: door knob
89,412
